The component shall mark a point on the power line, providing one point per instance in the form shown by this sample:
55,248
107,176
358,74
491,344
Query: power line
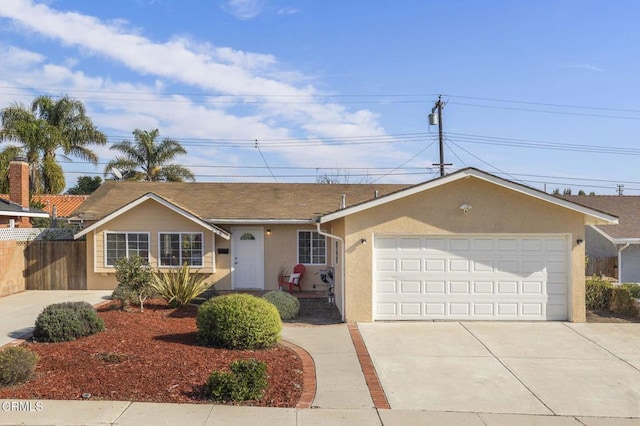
265,161
546,112
403,164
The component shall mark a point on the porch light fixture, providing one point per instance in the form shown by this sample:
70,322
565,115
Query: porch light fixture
579,241
268,231
465,208
363,241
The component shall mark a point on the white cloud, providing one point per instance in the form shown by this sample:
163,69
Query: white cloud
242,87
288,11
586,67
244,9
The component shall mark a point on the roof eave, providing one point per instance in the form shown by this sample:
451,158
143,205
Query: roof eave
151,196
464,174
23,214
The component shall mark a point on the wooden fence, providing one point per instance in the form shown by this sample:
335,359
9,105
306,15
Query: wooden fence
607,266
56,265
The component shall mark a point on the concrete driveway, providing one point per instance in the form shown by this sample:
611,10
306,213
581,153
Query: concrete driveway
19,311
522,368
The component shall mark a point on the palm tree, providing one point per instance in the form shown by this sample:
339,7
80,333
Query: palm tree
49,125
151,157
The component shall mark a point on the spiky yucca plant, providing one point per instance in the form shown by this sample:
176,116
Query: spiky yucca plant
179,286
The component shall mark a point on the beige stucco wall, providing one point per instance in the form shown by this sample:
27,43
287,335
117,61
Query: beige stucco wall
150,217
495,210
280,248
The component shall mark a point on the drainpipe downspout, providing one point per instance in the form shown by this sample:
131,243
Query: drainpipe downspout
620,261
342,266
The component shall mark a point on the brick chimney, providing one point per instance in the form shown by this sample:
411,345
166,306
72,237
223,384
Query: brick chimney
19,187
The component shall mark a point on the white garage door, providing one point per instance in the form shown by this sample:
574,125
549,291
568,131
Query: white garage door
470,277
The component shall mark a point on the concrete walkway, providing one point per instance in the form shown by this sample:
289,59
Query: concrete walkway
18,312
342,395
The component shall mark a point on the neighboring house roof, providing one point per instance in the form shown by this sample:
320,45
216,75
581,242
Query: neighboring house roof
236,202
65,204
7,208
598,216
627,208
224,234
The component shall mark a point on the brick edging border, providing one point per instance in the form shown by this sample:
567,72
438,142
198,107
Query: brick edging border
370,376
309,383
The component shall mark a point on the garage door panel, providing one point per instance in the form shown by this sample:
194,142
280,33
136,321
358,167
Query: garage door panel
436,244
532,287
483,287
459,287
410,244
507,244
435,287
532,309
459,309
385,243
483,310
410,287
471,278
556,244
435,265
385,265
459,265
388,287
484,265
507,287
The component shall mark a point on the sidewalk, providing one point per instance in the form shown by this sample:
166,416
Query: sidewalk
139,413
342,397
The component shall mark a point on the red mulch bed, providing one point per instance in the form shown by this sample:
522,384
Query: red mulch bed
152,356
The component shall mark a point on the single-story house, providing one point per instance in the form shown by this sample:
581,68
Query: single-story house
14,208
469,245
621,240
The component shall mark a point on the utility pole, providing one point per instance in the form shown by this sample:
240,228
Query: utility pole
432,120
620,188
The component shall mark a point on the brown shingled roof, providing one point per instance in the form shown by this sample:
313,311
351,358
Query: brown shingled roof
65,204
626,208
250,201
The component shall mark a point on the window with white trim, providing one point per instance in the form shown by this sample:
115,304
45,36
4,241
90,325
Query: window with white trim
312,248
178,248
125,244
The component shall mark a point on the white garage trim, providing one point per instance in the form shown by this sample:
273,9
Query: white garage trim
471,277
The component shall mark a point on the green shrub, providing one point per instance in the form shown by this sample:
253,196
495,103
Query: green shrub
239,321
62,322
622,302
17,365
179,286
288,306
134,278
247,380
598,294
633,288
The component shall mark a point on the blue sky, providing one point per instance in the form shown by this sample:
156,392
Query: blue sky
541,92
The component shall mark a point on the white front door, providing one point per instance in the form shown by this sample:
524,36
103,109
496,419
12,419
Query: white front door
248,258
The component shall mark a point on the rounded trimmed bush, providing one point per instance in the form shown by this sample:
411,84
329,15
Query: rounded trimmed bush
239,321
17,365
247,380
288,306
63,322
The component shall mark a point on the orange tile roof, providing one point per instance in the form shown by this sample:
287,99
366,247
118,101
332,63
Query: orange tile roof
65,204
